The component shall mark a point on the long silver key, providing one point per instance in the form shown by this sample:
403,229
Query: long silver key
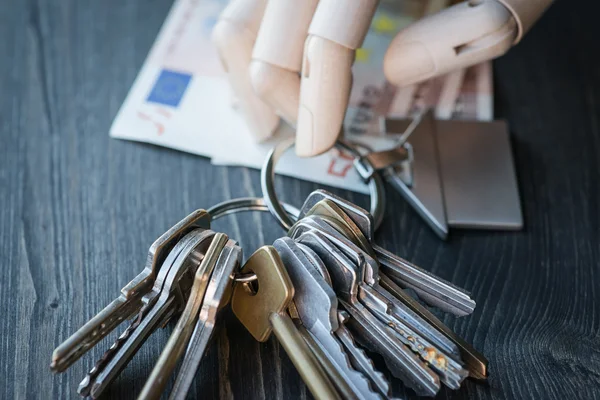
446,364
180,336
401,361
148,300
129,302
316,303
432,346
475,361
218,295
407,321
170,301
358,358
431,289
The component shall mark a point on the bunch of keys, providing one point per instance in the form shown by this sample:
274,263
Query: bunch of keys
325,290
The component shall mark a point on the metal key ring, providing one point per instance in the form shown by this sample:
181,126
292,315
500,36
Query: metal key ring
245,204
278,209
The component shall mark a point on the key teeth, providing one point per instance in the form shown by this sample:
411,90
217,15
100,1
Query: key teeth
364,380
85,387
385,389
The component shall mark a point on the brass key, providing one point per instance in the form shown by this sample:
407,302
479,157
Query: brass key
264,312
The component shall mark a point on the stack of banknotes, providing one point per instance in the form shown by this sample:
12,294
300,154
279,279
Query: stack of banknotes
181,98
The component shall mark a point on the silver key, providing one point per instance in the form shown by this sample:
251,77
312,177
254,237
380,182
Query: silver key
397,309
358,358
148,300
450,370
379,302
184,328
317,307
218,295
170,301
431,289
129,302
380,338
476,362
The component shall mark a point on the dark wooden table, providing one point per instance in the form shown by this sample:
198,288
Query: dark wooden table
78,210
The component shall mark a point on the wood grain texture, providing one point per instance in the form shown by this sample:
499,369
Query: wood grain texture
78,210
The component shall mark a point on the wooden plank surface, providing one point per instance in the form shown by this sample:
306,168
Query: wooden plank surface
78,210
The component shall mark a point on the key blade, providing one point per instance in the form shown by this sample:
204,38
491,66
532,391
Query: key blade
475,361
180,337
362,362
93,331
433,290
450,371
400,311
316,305
403,364
334,374
304,360
217,295
125,353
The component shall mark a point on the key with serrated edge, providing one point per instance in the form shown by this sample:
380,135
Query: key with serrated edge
180,336
171,300
402,362
129,302
218,295
148,300
431,289
316,303
475,361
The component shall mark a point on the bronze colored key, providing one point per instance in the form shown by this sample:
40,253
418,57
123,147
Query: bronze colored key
183,330
264,312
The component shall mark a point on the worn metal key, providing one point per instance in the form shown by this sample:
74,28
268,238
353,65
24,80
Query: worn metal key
218,295
432,346
129,302
183,330
149,299
379,337
171,300
340,210
264,312
431,289
316,304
